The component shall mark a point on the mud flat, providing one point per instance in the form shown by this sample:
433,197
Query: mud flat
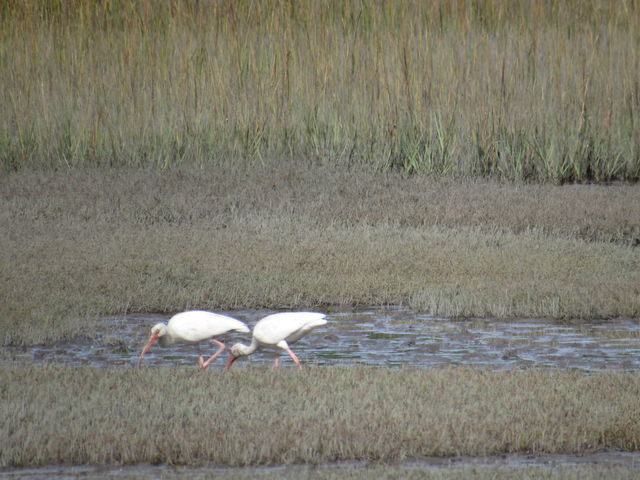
391,337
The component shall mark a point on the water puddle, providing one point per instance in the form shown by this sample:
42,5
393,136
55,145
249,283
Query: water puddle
382,337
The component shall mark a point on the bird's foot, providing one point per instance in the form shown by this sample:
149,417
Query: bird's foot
202,363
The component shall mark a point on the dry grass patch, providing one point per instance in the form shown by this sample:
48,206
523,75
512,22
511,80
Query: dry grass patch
363,472
276,264
322,195
394,472
258,416
79,244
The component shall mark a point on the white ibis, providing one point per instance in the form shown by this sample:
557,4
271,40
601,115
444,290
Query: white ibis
194,327
278,331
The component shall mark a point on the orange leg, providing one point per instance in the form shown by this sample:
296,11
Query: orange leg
206,364
293,355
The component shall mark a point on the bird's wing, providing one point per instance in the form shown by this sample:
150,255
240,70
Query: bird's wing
288,326
195,326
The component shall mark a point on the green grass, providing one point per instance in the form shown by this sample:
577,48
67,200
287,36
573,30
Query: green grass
518,90
80,244
260,416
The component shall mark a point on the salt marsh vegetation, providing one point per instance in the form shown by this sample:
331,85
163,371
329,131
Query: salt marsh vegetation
517,90
466,159
86,243
258,416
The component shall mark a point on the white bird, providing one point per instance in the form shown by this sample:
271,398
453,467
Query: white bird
194,327
278,331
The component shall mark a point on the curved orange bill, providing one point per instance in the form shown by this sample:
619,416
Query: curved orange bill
230,361
152,339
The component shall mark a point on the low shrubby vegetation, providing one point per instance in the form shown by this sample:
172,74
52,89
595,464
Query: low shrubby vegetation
85,243
389,472
254,416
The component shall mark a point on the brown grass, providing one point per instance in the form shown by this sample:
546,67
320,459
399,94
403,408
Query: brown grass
79,244
252,416
412,473
322,195
348,470
453,473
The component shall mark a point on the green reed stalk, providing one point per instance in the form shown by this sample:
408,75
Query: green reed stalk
518,90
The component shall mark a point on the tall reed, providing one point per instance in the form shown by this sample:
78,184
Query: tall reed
521,90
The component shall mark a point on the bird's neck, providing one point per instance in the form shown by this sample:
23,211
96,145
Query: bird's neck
165,340
248,349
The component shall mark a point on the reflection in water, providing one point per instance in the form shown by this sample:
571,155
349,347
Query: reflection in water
382,337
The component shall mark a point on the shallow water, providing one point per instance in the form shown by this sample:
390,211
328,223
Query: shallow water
382,337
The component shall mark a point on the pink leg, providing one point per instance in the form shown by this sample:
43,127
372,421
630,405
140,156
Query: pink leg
200,359
206,364
293,355
276,363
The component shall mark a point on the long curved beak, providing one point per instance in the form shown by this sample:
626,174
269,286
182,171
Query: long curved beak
151,341
230,361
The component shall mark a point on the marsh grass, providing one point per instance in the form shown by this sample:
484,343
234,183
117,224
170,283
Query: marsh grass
383,472
80,244
53,414
517,90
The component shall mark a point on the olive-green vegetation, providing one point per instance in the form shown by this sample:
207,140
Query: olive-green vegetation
78,244
254,416
522,90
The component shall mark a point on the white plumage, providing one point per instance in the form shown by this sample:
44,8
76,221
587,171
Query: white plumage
194,327
277,331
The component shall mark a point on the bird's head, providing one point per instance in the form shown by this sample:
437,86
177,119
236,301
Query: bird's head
234,352
157,331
